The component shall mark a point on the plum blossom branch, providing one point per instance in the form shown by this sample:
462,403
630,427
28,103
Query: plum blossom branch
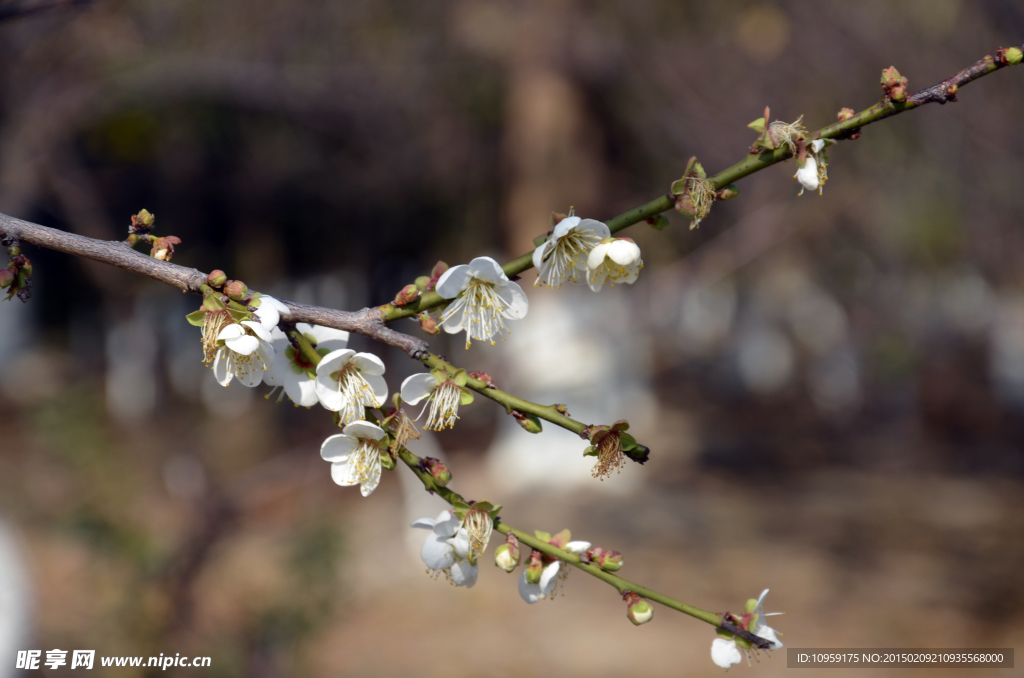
847,128
620,584
367,321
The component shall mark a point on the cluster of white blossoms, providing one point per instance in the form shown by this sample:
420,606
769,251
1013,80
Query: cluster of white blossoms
583,250
455,544
730,649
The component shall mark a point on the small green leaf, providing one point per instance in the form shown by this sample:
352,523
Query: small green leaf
386,461
543,536
678,186
466,397
689,166
628,441
758,125
197,318
699,169
213,303
591,451
460,377
461,509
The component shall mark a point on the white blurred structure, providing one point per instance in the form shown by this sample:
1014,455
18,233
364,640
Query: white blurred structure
15,601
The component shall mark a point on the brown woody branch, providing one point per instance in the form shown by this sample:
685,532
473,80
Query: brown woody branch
368,321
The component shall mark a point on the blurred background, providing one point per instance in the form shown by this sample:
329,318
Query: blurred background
832,387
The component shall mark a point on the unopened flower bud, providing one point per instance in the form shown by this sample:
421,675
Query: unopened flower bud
428,323
13,251
216,278
845,114
6,278
609,561
143,219
236,290
727,193
890,77
1013,56
529,422
535,568
639,610
407,295
437,470
898,93
439,268
422,282
506,556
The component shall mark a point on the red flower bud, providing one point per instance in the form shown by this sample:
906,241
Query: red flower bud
216,278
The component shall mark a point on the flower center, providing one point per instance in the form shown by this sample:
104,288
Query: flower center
242,365
366,460
357,394
702,193
609,456
562,263
478,525
403,429
483,310
444,406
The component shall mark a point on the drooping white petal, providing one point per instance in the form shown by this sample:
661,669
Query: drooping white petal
326,337
577,547
548,578
464,573
270,311
624,253
595,279
808,175
598,228
379,387
338,447
220,367
529,592
817,145
768,633
455,317
248,374
364,429
453,281
437,553
368,364
424,523
345,473
299,388
725,653
540,252
328,394
488,270
372,479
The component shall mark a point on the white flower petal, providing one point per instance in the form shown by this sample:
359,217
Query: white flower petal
364,429
250,375
725,653
243,345
334,361
300,389
624,253
446,524
768,633
221,368
513,295
454,318
488,270
539,253
808,174
416,387
368,364
328,394
338,447
577,547
437,553
595,279
464,573
529,592
598,228
327,337
563,227
453,281
379,386
232,331
259,330
817,145
597,255
460,542
367,487
344,473
548,577
424,523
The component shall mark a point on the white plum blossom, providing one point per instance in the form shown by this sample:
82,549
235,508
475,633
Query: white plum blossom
443,393
355,456
348,382
726,652
270,310
813,173
448,549
244,352
550,575
616,260
483,298
292,372
563,257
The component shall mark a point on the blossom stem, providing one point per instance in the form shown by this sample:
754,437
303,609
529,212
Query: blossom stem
511,402
620,584
751,163
305,348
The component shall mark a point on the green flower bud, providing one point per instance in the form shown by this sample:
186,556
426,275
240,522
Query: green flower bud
13,251
422,282
142,220
1013,56
236,290
529,422
727,193
506,556
437,470
535,568
428,323
890,77
639,610
845,114
609,561
216,278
